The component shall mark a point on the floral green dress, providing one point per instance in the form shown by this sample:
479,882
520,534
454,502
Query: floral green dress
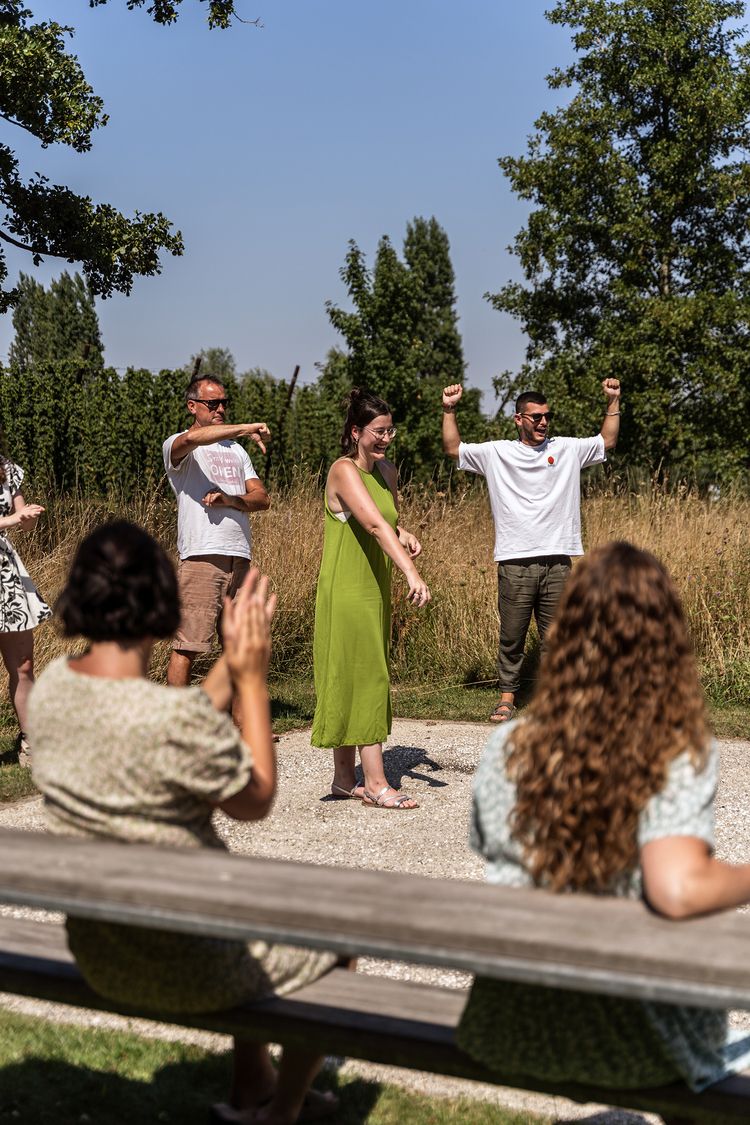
132,760
570,1036
353,629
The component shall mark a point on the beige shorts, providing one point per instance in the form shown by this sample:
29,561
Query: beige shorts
204,582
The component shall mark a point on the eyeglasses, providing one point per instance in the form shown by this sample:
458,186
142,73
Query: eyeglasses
384,431
211,403
536,418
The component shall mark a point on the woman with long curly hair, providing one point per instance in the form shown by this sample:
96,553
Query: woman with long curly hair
363,540
607,786
21,607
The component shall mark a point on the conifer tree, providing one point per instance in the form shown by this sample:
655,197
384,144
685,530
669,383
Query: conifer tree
56,324
402,338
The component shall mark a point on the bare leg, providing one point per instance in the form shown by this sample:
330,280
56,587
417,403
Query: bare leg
375,779
180,667
253,1075
343,770
17,650
296,1071
259,1094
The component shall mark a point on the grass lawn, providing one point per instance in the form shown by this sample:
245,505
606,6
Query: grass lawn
60,1074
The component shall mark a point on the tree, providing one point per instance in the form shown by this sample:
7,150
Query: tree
59,324
403,340
215,363
44,91
636,251
427,254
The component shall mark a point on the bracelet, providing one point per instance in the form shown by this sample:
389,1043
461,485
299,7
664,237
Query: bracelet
449,410
612,415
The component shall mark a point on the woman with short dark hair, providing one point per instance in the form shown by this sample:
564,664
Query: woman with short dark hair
607,786
120,757
353,603
21,607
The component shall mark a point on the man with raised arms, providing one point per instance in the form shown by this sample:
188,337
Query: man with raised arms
216,487
535,496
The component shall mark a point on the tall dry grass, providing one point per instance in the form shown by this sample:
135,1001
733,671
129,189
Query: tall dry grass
706,547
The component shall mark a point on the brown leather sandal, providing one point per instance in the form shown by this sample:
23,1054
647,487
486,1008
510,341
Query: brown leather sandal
503,713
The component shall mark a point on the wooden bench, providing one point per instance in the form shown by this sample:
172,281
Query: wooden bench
606,946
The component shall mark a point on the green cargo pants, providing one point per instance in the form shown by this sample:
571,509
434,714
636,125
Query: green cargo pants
525,586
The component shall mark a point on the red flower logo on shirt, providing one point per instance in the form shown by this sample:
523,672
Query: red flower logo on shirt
550,460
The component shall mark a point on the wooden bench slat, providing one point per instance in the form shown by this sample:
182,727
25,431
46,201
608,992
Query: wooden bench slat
396,1023
601,945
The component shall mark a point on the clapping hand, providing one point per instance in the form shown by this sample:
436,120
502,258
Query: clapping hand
28,515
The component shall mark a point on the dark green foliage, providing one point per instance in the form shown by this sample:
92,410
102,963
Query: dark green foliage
44,91
57,325
637,249
403,341
76,426
220,12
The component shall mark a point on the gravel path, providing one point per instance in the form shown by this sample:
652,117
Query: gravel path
435,762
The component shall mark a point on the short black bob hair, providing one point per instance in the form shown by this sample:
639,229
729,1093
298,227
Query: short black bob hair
121,587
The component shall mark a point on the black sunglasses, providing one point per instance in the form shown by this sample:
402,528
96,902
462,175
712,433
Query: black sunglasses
211,403
536,418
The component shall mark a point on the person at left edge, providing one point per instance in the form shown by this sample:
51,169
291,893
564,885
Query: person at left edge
216,487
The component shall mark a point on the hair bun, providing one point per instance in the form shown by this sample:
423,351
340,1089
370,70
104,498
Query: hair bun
352,396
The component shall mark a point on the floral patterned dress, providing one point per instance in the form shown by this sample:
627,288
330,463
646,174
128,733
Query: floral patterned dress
568,1036
21,607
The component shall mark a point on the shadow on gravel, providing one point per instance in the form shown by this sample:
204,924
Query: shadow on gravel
404,761
413,762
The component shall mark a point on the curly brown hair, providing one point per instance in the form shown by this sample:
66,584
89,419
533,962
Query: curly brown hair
618,698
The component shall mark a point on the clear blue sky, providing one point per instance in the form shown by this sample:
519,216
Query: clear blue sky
271,148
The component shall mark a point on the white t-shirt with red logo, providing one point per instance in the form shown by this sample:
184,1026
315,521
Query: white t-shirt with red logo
535,492
202,530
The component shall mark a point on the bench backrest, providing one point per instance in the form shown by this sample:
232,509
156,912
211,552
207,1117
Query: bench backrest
582,942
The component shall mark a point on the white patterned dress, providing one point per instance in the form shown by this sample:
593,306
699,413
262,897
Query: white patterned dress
21,607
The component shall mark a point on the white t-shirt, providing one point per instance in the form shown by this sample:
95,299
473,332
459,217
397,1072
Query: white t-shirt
534,492
210,531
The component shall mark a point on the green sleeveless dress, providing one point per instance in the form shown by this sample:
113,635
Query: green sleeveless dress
353,629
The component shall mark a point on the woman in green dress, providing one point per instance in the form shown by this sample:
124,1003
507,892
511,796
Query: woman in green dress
353,604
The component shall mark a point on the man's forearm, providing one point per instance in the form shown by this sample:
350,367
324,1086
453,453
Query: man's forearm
207,435
451,435
610,430
249,502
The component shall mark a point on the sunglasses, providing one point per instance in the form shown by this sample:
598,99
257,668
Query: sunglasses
536,418
211,403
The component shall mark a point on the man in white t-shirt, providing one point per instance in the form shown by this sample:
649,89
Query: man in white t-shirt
535,496
216,486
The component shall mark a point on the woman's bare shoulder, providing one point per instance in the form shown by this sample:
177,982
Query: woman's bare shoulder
388,471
